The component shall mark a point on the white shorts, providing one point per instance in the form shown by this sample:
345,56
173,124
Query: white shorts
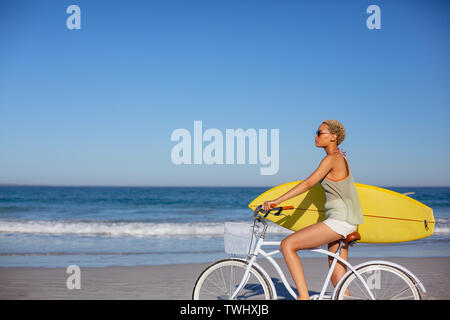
341,227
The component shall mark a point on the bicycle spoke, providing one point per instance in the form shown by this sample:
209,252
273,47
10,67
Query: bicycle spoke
391,282
398,294
232,283
362,289
212,292
223,279
224,283
384,281
217,285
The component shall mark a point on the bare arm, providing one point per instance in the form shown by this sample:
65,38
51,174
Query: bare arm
324,167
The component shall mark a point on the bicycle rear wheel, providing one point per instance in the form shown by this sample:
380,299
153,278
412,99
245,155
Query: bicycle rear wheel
385,282
220,280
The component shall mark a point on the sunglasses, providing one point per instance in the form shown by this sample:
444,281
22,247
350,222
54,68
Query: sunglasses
318,133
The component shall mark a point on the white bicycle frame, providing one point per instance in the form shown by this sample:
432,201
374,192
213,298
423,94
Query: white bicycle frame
261,242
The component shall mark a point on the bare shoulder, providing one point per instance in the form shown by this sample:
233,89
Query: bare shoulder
328,162
331,158
332,161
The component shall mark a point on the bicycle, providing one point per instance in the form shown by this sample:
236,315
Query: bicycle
239,278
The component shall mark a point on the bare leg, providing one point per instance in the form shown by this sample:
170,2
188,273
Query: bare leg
307,238
340,268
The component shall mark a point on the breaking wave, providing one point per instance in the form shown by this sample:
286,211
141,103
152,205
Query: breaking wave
103,228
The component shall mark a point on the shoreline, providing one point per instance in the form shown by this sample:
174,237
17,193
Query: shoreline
175,281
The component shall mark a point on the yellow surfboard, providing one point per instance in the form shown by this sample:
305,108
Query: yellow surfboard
388,216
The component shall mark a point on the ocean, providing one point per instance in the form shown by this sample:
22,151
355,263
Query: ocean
129,226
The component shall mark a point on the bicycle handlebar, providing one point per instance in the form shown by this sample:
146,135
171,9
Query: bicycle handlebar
283,208
272,208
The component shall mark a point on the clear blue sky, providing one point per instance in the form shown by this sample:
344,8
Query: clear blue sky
97,106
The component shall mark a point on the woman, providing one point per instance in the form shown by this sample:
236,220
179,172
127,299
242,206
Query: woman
342,207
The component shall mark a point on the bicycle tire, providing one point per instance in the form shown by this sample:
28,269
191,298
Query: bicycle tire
215,284
385,281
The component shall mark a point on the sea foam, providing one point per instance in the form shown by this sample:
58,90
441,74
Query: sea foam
137,229
141,229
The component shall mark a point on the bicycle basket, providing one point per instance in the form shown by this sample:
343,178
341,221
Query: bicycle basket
237,238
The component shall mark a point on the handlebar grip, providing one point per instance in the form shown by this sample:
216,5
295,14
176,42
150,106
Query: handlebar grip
284,208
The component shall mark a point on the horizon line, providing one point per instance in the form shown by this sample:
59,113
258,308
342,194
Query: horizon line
185,186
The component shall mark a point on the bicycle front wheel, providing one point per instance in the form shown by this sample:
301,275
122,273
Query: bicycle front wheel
221,279
384,281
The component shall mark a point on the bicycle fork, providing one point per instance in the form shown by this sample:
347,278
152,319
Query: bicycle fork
245,277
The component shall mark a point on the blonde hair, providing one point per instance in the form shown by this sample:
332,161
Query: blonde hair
336,128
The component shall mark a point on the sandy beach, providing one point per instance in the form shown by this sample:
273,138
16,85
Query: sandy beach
175,282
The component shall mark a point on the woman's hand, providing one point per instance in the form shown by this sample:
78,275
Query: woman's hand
268,204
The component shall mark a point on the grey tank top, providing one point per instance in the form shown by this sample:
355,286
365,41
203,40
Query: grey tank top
342,201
